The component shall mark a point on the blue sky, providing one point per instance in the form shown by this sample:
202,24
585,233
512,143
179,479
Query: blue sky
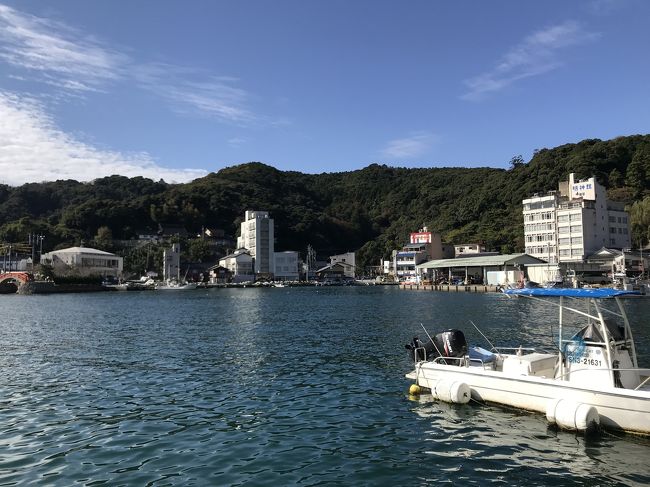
178,89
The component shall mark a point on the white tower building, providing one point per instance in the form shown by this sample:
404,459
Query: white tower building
577,220
257,236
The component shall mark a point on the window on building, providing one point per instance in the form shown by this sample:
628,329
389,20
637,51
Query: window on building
612,219
563,218
612,230
576,241
576,228
563,230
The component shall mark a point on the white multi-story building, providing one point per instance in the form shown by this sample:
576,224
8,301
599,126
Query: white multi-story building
257,236
424,245
569,224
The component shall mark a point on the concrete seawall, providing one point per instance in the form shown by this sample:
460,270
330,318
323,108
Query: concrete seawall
461,288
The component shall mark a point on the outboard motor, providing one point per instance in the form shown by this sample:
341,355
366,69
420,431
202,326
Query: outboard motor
449,343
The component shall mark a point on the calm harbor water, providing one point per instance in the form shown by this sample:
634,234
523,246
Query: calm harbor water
286,386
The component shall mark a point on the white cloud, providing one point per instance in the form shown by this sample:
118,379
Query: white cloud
33,149
61,55
414,146
237,141
536,55
191,93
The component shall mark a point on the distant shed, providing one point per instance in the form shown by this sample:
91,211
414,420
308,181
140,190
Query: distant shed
474,268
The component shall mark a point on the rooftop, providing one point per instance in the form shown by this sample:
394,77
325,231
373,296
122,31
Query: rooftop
482,261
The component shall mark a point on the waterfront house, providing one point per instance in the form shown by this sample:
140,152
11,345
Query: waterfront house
219,275
84,261
331,272
621,263
349,263
240,265
286,266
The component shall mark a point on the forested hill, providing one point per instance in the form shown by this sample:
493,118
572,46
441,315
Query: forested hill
371,210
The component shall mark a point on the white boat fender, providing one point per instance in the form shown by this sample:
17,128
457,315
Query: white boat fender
452,391
572,415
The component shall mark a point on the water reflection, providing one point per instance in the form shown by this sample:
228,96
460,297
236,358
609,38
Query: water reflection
503,444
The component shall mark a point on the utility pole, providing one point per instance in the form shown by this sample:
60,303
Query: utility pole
34,240
40,249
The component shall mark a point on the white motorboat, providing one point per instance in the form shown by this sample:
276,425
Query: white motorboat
592,380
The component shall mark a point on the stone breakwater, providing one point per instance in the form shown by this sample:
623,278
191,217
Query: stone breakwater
49,287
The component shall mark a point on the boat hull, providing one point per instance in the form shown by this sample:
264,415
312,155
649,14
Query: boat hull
180,287
620,409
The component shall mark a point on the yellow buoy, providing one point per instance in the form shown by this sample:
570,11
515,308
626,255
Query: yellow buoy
414,390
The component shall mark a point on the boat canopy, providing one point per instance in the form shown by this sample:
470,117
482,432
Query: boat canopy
571,292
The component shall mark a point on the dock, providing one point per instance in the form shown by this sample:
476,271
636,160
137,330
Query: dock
452,288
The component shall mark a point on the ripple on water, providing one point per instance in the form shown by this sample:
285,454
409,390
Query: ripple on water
258,387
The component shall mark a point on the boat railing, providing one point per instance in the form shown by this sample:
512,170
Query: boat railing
516,349
477,362
645,381
443,360
615,343
416,353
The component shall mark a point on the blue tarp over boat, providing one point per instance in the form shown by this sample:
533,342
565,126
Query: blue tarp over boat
571,292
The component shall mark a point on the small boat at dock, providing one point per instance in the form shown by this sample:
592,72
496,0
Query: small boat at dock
591,380
172,285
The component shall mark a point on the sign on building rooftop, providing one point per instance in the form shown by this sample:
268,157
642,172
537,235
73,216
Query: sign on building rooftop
421,238
584,189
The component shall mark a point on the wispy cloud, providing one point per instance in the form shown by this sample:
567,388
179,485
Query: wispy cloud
33,149
604,7
413,146
237,141
536,55
192,92
61,55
